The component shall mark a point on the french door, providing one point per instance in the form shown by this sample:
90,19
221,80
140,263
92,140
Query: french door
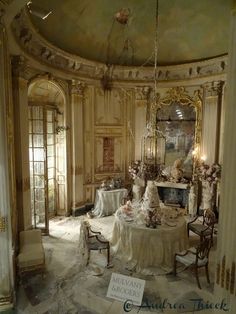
42,158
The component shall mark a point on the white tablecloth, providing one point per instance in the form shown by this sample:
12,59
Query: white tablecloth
107,202
145,249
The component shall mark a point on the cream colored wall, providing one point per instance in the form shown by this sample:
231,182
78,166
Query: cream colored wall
107,114
120,114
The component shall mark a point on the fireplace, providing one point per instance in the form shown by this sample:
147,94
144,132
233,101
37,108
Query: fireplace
175,194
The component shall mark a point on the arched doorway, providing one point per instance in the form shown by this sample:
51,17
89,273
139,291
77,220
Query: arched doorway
47,152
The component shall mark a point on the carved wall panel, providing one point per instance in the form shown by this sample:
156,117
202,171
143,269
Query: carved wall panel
88,135
109,107
109,154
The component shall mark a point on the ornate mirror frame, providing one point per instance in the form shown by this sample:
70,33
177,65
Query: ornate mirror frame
180,95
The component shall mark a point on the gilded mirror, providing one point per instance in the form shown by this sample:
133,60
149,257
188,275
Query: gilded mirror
178,118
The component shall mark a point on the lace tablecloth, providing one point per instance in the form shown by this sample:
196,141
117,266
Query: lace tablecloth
145,249
107,202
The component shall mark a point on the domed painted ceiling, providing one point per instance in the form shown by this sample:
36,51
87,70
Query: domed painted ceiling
189,30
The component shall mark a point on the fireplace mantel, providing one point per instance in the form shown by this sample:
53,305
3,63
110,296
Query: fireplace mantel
173,185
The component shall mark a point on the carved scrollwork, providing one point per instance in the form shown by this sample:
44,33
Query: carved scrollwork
181,96
142,93
20,66
78,87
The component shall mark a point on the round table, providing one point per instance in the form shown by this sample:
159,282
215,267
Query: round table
145,249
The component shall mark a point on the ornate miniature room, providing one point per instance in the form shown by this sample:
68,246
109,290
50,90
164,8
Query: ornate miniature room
117,159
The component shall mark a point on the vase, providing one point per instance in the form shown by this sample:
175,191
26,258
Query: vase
138,189
207,195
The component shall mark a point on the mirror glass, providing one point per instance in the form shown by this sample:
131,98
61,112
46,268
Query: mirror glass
177,122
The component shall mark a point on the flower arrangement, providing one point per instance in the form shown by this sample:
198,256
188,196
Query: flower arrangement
139,169
209,173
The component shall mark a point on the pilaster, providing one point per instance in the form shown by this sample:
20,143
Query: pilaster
77,168
20,102
212,104
141,110
6,255
225,288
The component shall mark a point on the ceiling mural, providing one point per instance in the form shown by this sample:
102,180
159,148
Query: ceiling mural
189,30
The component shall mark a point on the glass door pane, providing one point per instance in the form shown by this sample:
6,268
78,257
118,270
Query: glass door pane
51,161
37,167
42,150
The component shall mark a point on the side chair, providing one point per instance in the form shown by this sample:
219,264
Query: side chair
96,242
196,258
204,229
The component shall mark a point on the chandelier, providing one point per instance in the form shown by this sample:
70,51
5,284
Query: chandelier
153,140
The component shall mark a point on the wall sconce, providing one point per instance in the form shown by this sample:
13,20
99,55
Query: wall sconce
3,224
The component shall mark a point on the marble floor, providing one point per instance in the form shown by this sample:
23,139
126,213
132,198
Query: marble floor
69,286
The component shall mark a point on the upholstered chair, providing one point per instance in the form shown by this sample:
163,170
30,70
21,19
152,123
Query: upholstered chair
196,258
95,241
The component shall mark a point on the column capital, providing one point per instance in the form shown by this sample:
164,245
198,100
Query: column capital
20,66
213,88
77,87
142,92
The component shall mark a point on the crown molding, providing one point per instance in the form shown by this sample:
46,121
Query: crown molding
33,44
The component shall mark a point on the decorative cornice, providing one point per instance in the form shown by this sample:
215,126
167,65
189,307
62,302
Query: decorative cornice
40,49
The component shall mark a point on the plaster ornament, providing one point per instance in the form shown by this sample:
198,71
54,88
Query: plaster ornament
177,172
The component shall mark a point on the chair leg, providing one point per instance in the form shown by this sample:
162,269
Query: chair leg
207,274
196,274
88,257
108,256
175,265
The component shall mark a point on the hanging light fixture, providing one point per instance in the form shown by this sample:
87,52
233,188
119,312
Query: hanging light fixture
153,140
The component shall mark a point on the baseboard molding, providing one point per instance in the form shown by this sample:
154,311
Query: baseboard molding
82,210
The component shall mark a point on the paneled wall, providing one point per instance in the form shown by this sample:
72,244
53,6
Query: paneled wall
108,135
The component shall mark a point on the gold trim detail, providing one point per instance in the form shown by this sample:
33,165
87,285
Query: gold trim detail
218,274
3,224
179,94
223,273
232,278
227,279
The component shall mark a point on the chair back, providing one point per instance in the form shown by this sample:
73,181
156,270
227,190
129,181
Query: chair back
203,248
85,228
209,218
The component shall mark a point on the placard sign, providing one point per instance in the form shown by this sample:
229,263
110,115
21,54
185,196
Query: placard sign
125,288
